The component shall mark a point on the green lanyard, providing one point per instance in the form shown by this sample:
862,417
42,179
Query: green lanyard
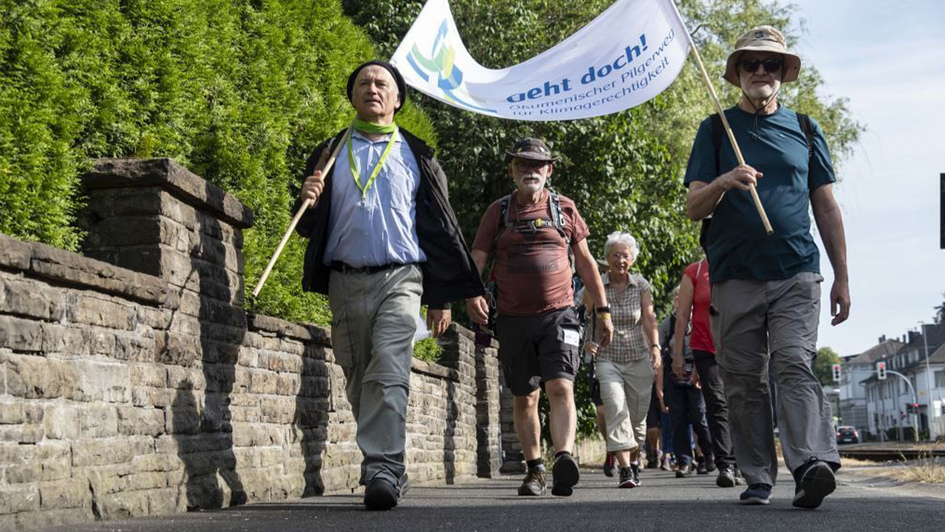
371,128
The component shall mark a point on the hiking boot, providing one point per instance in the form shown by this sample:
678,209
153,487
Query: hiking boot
609,467
815,481
726,478
565,475
626,478
534,483
739,479
652,460
684,470
381,494
756,494
635,474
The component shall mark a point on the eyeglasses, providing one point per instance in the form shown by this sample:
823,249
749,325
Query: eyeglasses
771,65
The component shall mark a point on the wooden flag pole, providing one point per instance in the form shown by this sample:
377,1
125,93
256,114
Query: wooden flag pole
731,137
298,216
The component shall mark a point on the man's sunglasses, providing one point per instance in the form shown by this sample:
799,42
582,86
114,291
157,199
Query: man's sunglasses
771,65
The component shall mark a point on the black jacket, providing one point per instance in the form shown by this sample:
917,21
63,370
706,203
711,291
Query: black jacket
449,273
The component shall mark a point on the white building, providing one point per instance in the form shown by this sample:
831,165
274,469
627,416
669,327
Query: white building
855,370
888,402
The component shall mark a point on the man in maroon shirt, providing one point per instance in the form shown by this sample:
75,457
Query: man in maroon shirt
531,232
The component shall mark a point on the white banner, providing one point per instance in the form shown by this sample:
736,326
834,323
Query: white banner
621,59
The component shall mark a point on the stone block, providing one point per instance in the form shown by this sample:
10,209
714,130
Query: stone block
100,452
45,461
20,334
62,422
34,377
182,421
71,493
14,254
151,375
17,413
166,501
51,518
102,312
31,299
134,421
19,498
122,505
98,380
179,378
177,349
162,462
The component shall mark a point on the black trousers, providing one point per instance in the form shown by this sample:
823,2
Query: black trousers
686,407
716,408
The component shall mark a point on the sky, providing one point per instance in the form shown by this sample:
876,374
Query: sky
886,58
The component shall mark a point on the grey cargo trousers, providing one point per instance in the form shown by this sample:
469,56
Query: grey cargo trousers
751,319
374,318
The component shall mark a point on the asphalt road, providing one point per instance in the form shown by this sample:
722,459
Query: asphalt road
662,503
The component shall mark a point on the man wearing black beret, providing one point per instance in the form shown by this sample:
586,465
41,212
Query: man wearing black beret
383,239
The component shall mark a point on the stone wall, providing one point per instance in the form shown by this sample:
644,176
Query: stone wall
133,383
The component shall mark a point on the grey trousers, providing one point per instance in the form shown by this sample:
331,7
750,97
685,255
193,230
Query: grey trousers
751,319
374,318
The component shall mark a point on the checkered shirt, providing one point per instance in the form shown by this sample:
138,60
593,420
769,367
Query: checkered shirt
629,343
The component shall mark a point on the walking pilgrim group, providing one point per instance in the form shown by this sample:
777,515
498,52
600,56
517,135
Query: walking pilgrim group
383,240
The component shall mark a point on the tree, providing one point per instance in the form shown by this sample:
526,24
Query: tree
823,365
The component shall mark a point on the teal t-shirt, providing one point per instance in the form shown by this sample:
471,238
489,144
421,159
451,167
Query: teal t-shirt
775,145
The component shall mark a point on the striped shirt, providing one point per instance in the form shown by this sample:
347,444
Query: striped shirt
629,343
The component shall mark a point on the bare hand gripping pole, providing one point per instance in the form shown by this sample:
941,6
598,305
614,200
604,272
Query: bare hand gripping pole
731,137
298,216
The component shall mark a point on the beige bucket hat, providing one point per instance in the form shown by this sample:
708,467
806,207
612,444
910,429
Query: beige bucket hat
762,39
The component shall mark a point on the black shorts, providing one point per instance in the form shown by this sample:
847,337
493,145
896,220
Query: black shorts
537,349
654,414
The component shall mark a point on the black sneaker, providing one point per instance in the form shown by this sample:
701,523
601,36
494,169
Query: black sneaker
701,468
626,478
565,475
635,473
710,464
756,494
381,494
684,470
815,481
609,467
534,483
726,478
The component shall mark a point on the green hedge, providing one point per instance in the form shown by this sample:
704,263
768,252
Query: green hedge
237,91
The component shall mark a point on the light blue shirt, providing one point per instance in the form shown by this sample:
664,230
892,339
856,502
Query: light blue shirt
383,228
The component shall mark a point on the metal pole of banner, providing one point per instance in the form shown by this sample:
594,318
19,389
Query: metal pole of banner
298,216
731,137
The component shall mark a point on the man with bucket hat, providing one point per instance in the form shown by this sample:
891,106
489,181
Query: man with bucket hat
766,289
531,232
382,240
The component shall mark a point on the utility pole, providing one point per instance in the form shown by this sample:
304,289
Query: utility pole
930,410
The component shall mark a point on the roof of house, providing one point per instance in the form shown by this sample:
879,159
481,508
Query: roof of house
876,352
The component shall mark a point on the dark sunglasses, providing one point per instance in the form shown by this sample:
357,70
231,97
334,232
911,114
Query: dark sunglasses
771,65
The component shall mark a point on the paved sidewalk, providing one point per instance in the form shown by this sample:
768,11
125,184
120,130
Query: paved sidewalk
663,503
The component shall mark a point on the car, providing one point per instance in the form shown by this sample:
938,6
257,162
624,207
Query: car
847,435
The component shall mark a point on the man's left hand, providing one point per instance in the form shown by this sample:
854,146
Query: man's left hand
438,320
839,301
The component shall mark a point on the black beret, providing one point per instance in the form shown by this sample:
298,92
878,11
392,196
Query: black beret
401,84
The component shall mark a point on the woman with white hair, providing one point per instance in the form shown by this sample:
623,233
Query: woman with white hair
626,367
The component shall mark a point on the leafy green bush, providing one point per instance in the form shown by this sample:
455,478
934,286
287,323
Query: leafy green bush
239,91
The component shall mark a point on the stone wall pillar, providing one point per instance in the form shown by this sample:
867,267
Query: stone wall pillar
156,217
